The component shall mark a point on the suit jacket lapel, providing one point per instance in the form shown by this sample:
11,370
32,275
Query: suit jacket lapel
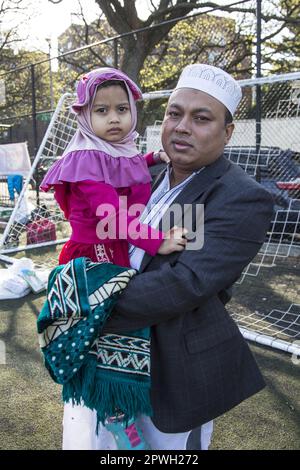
202,181
158,180
197,186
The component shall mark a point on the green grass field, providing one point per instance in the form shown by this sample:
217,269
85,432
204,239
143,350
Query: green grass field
31,407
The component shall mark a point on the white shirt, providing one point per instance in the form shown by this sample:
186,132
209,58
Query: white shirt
159,202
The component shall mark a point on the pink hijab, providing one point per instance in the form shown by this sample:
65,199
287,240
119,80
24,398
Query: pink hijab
84,138
88,157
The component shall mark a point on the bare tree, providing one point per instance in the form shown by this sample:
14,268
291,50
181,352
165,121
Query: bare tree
123,18
154,57
84,33
9,36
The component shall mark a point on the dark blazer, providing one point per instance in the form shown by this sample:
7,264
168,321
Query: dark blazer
200,364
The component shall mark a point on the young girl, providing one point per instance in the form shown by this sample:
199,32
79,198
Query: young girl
100,164
101,176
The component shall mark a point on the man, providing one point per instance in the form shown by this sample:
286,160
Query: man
201,366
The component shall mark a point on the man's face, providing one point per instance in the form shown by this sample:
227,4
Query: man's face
193,131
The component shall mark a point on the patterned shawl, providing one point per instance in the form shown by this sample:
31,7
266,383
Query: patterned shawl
110,373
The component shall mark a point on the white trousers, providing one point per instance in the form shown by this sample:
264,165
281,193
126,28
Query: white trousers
79,425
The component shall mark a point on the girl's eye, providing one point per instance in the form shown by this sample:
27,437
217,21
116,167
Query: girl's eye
100,110
123,109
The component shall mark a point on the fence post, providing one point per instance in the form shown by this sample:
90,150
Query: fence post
258,87
34,124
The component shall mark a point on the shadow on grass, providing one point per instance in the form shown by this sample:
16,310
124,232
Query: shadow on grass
274,290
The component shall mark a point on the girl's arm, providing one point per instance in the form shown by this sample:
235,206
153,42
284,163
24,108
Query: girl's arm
115,221
61,197
155,158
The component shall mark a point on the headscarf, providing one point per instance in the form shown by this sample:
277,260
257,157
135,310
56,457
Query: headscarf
85,138
88,157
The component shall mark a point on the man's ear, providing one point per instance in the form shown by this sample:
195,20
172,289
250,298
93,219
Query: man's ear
228,132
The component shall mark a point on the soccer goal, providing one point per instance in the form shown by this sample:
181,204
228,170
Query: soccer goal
44,225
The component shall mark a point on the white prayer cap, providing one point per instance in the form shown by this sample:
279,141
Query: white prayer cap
214,82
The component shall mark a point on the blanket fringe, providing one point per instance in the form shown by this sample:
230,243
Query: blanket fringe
107,395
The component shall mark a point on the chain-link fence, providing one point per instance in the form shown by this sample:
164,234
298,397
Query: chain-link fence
266,144
272,158
269,151
31,90
28,92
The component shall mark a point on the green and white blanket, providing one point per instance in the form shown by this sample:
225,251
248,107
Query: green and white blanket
109,373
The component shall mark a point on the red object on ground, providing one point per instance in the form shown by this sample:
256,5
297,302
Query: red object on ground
288,184
40,231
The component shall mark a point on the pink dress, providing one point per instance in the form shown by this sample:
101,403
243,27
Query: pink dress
80,200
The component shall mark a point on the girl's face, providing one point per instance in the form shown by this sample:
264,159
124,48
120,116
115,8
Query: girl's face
110,114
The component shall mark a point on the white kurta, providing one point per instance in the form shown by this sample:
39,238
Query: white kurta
79,426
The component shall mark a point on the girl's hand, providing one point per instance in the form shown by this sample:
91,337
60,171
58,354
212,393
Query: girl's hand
174,241
163,156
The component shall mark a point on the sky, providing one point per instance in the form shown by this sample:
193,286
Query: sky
47,20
